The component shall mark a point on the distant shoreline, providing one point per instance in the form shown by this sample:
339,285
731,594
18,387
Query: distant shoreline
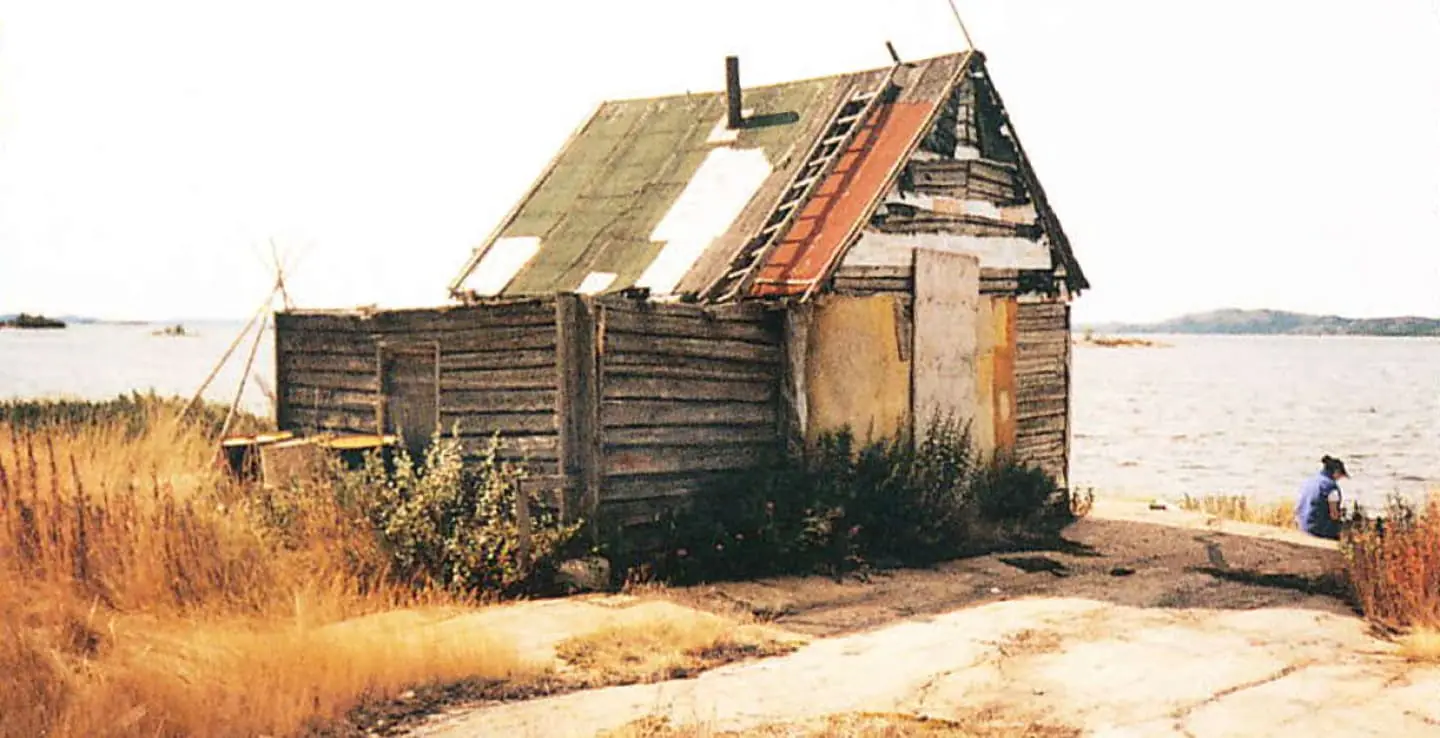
1275,323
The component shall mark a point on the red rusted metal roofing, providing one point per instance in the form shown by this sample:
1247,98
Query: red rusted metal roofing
832,217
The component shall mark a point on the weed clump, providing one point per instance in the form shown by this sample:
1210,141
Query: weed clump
1393,564
842,505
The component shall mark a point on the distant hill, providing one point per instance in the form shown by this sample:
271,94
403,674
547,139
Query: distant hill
1276,323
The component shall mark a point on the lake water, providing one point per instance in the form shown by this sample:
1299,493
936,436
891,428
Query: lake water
1206,415
101,361
1253,415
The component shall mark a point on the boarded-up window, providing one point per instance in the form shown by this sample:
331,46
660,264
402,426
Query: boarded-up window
411,391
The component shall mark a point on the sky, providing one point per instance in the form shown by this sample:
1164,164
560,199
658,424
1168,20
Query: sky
1281,154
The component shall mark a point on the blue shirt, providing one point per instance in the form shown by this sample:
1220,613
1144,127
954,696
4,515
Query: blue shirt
1312,510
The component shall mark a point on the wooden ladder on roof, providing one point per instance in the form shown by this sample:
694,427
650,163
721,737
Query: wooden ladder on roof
844,125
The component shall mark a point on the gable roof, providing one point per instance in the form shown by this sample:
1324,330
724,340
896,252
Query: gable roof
658,193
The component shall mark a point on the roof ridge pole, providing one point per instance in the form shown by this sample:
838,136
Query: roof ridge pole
969,44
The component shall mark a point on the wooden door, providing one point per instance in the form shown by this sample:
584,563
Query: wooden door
410,389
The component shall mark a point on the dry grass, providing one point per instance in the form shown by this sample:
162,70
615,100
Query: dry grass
983,724
137,596
671,646
1242,509
1394,568
1422,646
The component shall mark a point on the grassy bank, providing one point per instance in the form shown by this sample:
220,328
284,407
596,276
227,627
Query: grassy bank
138,596
145,593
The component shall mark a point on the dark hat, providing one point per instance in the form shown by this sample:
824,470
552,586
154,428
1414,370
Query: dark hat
1334,467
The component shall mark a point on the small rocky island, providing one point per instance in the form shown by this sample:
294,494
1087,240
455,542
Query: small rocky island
26,320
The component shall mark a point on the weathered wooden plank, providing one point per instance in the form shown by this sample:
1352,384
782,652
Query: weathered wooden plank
626,387
482,339
510,401
1027,426
513,359
310,420
691,435
633,460
709,369
539,447
481,424
1039,384
999,288
989,273
497,379
293,364
537,313
1028,365
871,284
926,221
315,342
622,361
332,380
1036,398
656,323
1040,439
646,413
737,312
1053,310
308,396
578,322
1036,344
700,348
865,271
323,322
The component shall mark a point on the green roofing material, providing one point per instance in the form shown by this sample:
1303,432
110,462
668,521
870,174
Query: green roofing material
608,190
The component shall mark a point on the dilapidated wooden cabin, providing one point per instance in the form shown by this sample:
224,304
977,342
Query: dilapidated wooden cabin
697,279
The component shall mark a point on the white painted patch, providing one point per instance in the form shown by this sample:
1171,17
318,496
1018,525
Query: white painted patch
994,252
505,259
966,153
596,282
980,208
713,199
722,133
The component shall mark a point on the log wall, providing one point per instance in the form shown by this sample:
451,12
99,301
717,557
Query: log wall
626,407
686,394
1042,377
497,371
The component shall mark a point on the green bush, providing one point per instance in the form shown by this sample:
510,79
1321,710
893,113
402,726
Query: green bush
447,524
843,505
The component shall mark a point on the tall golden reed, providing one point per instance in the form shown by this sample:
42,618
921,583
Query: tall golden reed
138,596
